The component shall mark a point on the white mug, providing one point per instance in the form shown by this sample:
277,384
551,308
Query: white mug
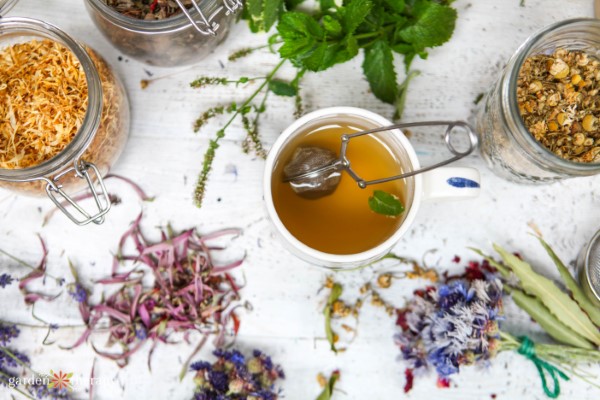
440,183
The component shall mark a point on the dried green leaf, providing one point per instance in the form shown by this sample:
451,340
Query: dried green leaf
328,389
559,303
501,268
549,322
334,295
580,297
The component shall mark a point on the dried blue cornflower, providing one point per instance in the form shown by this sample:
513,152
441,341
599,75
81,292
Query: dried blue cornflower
235,376
5,280
451,325
200,366
78,292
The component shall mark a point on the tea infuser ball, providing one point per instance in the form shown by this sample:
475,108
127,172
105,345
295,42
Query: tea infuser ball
299,172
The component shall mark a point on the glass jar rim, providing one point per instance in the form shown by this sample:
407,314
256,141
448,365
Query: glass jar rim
175,23
509,92
18,26
7,5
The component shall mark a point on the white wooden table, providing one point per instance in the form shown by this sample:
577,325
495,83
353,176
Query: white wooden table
164,156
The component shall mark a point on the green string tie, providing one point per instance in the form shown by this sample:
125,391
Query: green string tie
528,350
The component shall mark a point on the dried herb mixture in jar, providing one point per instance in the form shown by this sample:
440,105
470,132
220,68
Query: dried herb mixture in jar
558,100
147,9
43,101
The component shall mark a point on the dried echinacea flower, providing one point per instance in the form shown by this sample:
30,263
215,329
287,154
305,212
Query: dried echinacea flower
236,376
189,292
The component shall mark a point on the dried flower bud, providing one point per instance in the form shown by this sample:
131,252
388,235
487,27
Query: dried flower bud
559,69
384,281
578,139
589,123
535,86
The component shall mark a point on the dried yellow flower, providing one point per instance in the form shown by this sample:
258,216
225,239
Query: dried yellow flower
43,100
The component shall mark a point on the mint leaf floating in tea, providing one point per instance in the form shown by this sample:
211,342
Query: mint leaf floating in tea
385,203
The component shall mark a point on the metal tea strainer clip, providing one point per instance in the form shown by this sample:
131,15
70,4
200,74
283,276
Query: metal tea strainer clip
314,172
206,25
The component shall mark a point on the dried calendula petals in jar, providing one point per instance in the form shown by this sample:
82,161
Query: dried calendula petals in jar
43,101
558,101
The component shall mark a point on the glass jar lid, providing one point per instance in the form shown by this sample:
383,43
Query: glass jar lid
6,6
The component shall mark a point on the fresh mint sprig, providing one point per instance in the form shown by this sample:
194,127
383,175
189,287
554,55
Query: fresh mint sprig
315,39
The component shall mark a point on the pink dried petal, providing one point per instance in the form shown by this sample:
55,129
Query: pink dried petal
134,185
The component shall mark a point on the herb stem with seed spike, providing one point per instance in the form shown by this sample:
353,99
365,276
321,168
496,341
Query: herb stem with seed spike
214,143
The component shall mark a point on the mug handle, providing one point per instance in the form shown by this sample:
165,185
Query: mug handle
451,183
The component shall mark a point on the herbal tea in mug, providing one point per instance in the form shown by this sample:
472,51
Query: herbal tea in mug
342,185
341,222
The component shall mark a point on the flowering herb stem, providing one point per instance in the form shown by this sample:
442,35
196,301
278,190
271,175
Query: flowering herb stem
15,388
214,143
9,353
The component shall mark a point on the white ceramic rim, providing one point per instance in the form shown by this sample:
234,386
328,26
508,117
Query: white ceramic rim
382,248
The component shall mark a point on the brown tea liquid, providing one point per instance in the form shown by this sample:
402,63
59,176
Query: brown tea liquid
342,222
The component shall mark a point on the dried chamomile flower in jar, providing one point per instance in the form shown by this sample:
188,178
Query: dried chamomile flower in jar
558,100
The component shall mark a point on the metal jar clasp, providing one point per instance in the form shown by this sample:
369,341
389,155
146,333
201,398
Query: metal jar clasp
206,25
90,173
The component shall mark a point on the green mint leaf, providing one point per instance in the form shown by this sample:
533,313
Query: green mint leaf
348,51
327,392
332,25
433,25
396,5
327,4
354,13
378,67
271,11
293,24
299,32
282,88
292,4
254,8
263,13
320,58
385,203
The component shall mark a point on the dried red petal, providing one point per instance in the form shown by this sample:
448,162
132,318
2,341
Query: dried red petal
408,373
443,383
401,319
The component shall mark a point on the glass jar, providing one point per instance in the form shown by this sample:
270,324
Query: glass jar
506,144
174,41
98,142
